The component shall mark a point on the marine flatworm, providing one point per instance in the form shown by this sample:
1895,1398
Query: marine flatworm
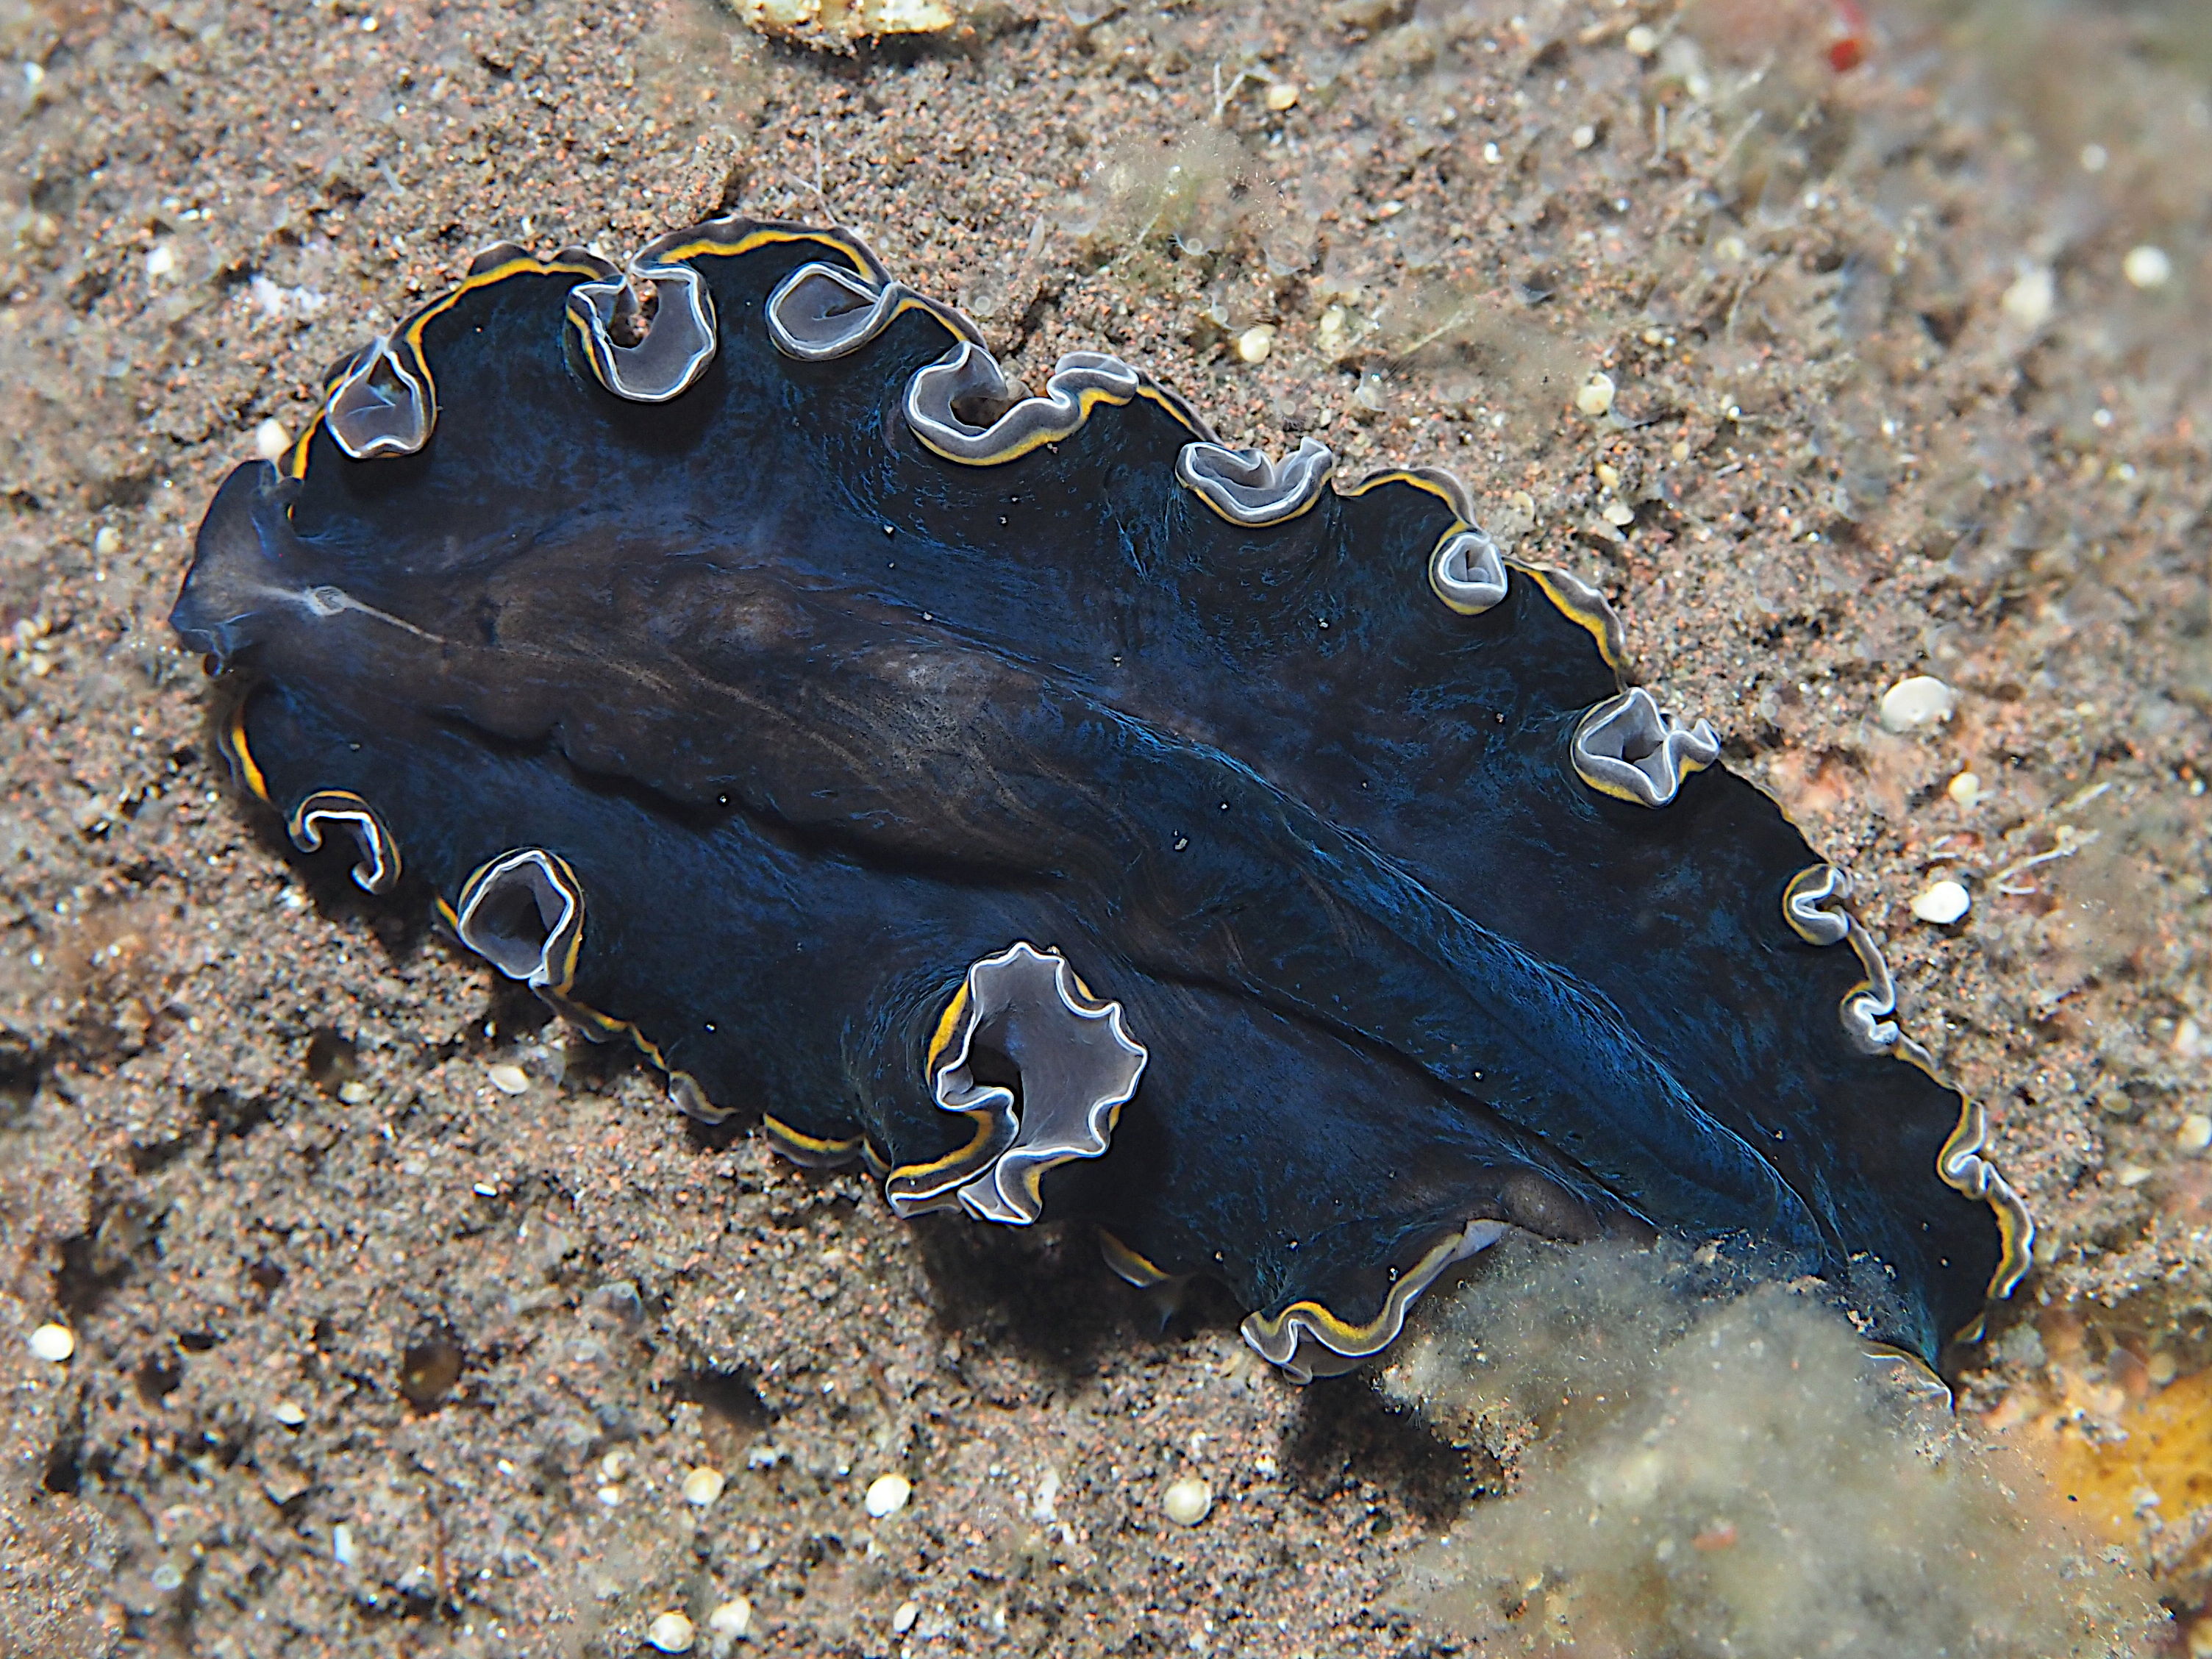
1064,812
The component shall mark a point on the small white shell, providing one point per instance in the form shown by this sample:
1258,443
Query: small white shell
1187,1502
1916,701
887,1495
1943,903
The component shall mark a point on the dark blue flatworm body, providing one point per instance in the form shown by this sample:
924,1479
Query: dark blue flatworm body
1065,812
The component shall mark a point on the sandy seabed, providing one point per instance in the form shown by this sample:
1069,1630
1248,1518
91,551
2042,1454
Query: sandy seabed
398,1325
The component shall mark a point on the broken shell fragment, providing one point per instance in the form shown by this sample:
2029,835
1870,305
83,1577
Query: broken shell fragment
827,25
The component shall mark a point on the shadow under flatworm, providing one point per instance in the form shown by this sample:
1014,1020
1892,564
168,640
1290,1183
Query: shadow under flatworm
1064,813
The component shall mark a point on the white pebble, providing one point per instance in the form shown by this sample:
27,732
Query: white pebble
162,262
508,1079
887,1494
1254,345
1595,397
670,1633
1282,95
1584,135
1643,40
2147,266
903,1620
702,1487
2032,296
1187,1501
1916,701
109,542
1966,789
271,441
289,1414
342,1544
53,1343
2195,1133
732,1618
1943,903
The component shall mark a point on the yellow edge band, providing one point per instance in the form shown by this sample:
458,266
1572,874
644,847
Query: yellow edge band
1797,885
949,1023
576,935
1177,409
1136,1269
1681,771
1422,1274
1592,621
1297,512
584,342
1084,403
862,263
1317,1314
1407,476
2015,1227
521,265
242,758
323,801
1604,788
783,1136
984,1121
780,1134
